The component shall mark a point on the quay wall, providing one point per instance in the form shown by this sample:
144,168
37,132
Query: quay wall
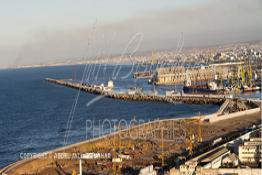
212,118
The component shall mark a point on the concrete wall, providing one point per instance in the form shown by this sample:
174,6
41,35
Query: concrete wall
215,118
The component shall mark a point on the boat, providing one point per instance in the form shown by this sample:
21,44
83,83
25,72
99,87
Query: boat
146,74
250,89
200,89
207,88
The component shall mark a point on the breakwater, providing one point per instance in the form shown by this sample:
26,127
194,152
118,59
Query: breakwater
183,98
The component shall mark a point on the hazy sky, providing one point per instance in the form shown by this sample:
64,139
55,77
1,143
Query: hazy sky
34,31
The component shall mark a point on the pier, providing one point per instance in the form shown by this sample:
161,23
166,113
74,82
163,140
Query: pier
174,98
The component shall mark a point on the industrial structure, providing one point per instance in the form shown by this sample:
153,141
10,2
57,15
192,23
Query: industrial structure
180,75
250,152
224,159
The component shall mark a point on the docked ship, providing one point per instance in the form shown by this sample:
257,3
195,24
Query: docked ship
250,89
145,74
206,88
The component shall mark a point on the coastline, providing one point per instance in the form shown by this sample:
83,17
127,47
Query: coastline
26,163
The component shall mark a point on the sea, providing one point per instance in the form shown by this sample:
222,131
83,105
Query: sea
34,114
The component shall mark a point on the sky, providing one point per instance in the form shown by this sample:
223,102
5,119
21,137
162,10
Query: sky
34,31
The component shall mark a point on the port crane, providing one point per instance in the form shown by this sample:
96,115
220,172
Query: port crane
199,138
249,74
162,146
190,139
189,142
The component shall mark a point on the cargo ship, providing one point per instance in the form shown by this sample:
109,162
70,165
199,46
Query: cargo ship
207,88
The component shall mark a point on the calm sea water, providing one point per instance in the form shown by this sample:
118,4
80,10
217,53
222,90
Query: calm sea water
34,113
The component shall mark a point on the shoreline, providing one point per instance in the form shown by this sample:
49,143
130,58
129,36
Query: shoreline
19,164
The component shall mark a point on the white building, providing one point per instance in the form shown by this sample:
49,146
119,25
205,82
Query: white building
188,168
149,170
214,160
250,151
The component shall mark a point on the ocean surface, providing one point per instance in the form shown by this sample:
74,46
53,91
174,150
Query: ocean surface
34,113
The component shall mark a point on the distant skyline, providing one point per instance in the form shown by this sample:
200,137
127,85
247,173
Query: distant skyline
34,31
